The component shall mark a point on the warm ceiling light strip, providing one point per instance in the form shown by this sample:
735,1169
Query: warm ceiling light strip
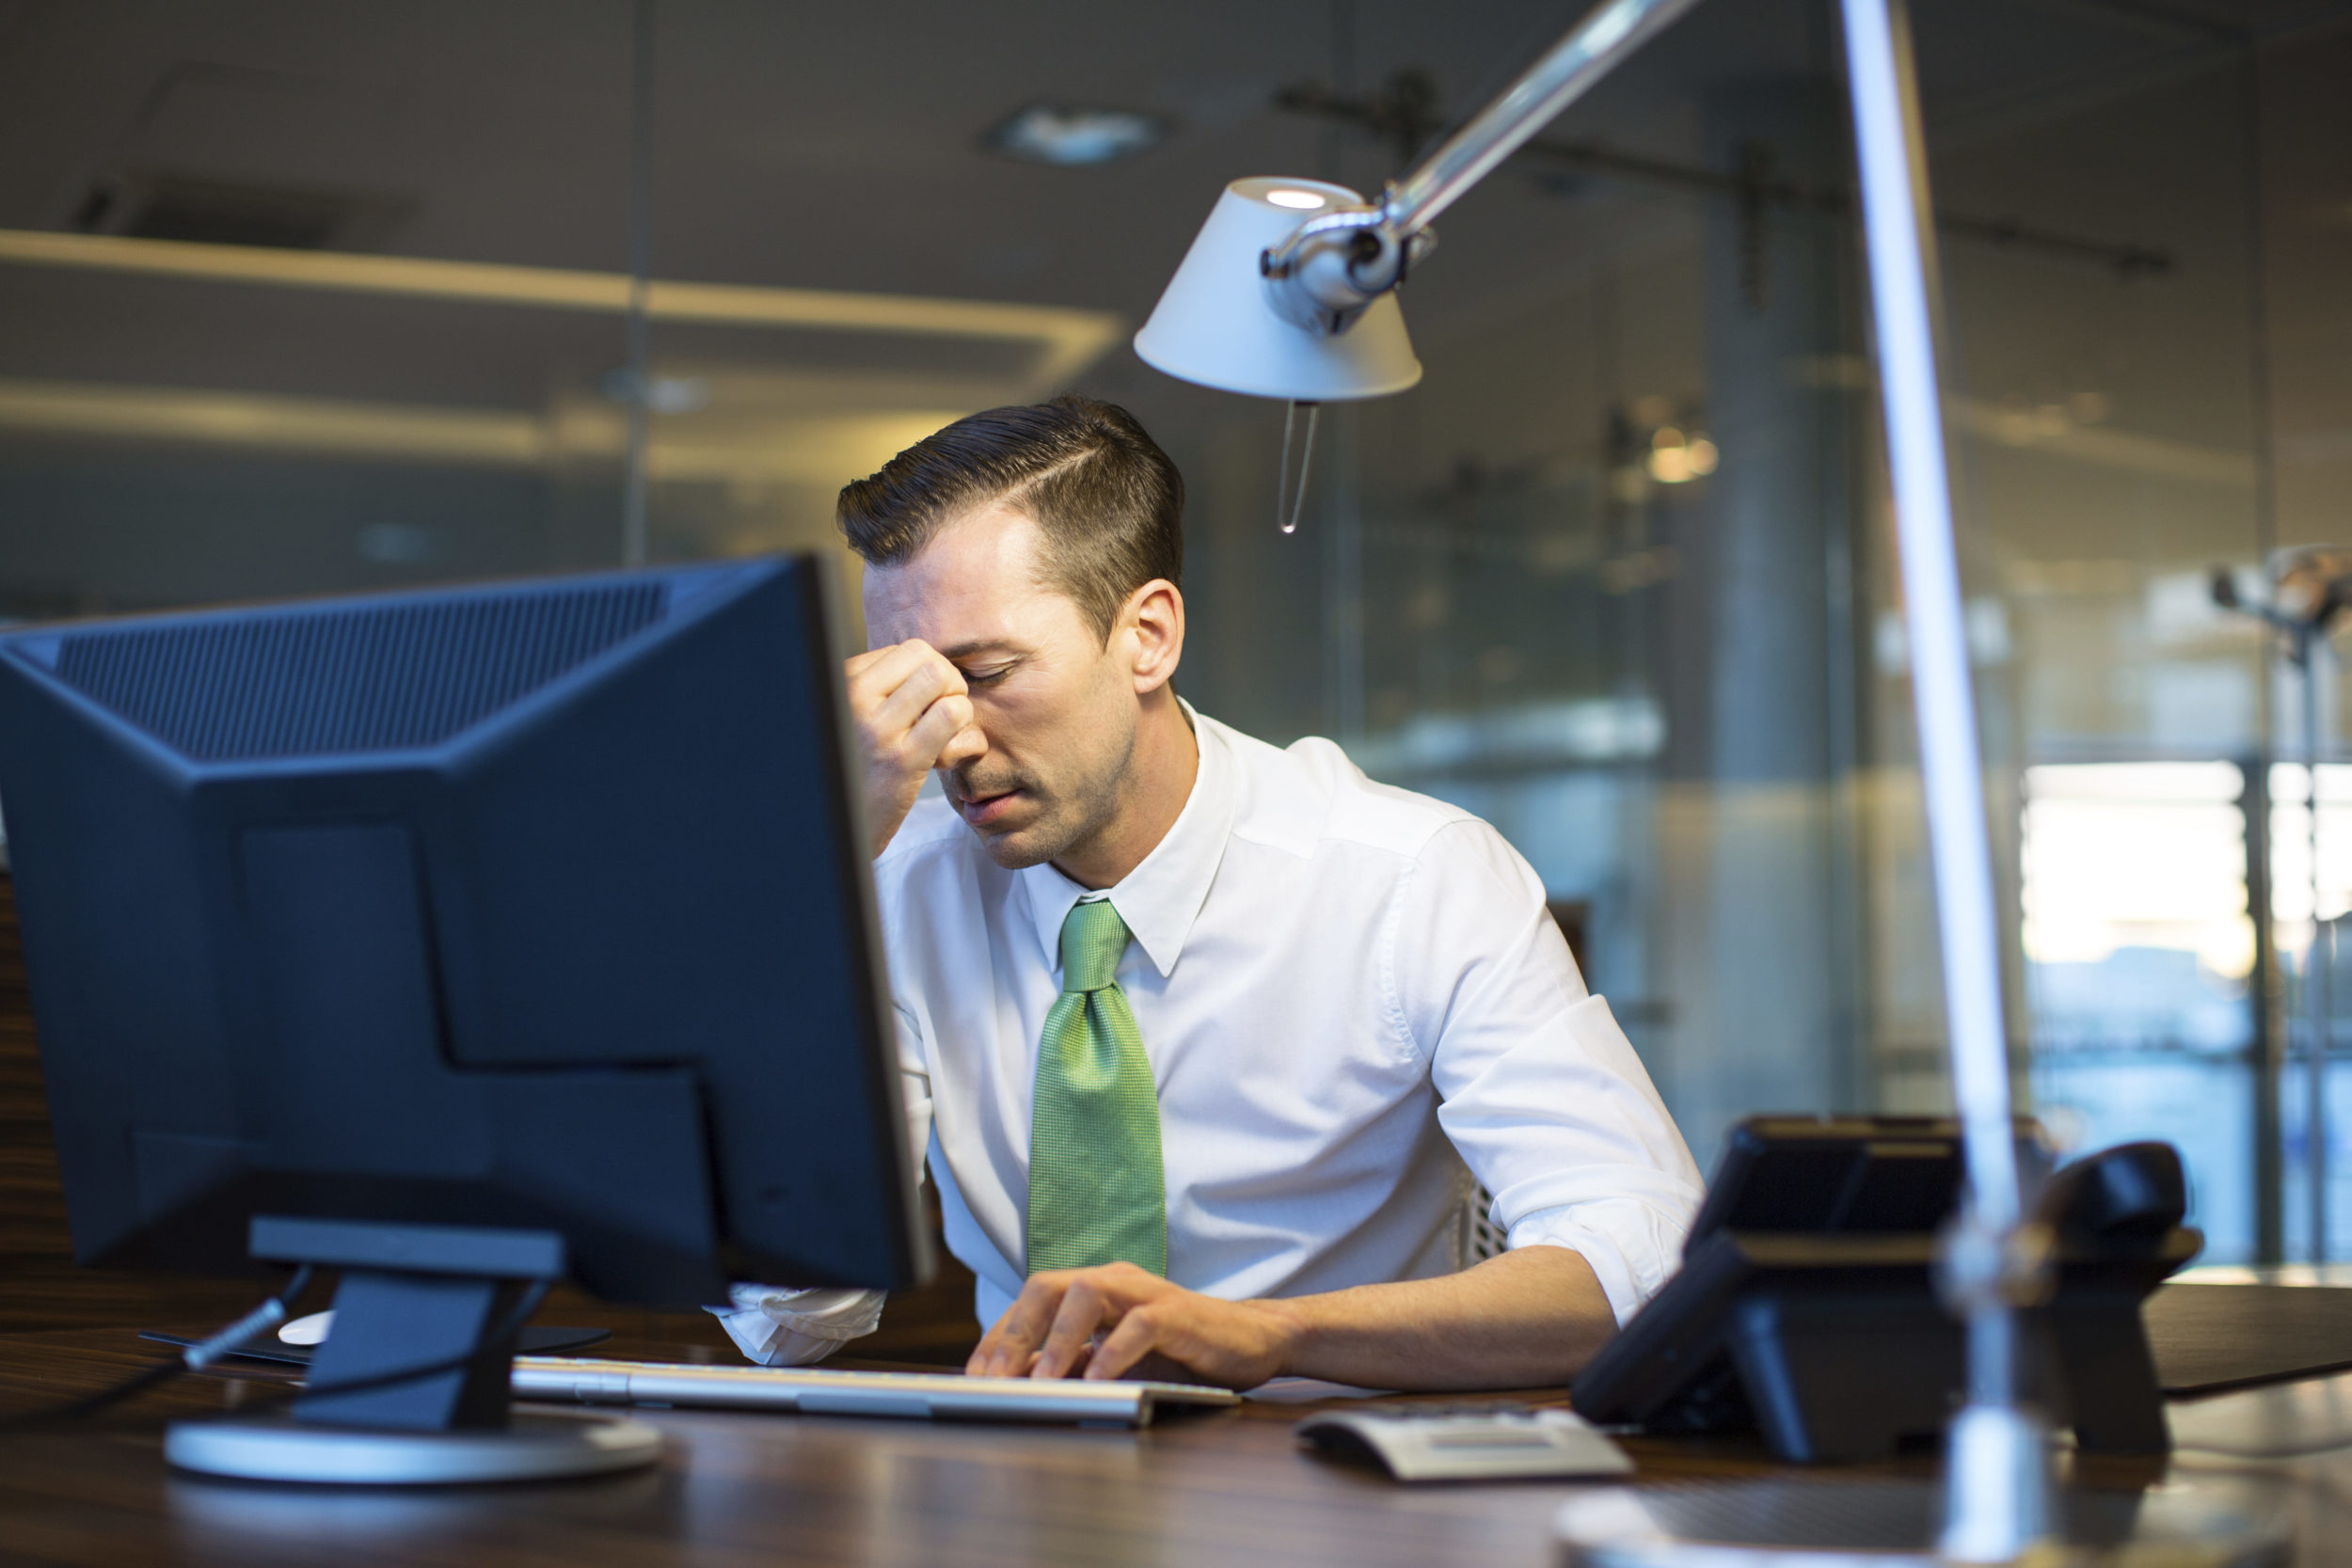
1070,339
799,450
470,436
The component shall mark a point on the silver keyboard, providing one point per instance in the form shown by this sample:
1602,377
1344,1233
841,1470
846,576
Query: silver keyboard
816,1391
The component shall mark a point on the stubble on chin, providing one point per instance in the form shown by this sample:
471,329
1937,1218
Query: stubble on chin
1016,851
1048,839
1018,848
1073,819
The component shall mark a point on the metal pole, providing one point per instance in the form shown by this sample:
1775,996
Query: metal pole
1591,50
1996,1497
2318,1000
639,279
2263,993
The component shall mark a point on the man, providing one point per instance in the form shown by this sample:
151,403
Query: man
1199,1033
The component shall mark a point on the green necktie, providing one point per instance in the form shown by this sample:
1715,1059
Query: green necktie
1095,1188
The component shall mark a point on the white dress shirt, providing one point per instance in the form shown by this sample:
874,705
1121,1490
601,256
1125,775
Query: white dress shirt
1348,992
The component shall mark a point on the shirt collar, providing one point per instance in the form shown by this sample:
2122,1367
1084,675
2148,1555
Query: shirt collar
1160,898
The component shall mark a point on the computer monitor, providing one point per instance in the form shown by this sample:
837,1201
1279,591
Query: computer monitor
379,929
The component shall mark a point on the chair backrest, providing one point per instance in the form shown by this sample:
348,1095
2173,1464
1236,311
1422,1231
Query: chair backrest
1481,1238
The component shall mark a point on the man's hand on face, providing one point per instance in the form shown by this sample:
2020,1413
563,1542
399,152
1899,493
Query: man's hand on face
910,705
1120,1320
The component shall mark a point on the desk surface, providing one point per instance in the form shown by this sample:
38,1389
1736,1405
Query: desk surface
1222,1487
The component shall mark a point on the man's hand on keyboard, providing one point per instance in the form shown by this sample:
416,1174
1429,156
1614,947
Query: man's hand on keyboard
1119,1321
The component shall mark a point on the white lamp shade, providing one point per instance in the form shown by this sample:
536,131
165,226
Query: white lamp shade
1216,324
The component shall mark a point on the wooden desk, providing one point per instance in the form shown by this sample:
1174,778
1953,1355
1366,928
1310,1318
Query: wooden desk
1218,1487
1229,1486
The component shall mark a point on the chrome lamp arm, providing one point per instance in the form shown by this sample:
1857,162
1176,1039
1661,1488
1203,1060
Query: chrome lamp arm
1335,265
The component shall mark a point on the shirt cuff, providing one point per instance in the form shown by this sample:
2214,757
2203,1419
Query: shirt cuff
1633,1248
777,1326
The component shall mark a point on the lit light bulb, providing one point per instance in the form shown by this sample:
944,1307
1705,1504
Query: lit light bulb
1676,458
1669,456
1299,202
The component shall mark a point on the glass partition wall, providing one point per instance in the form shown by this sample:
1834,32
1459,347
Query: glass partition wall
1616,576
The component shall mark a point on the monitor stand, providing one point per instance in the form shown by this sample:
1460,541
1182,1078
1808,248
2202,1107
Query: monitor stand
438,1297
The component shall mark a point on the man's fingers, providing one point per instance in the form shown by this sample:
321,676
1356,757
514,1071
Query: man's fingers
911,672
1023,1328
909,704
876,671
854,668
1050,1329
1136,1337
1009,1348
910,727
1084,1307
1000,1355
896,712
896,696
941,722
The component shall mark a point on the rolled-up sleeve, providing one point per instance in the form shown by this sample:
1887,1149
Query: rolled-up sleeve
1540,1090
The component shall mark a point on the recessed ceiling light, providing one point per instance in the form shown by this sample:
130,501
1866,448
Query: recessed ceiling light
1064,134
1304,201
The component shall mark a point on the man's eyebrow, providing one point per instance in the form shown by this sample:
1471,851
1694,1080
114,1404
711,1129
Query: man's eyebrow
975,650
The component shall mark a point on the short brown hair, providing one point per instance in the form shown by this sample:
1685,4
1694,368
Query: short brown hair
1108,504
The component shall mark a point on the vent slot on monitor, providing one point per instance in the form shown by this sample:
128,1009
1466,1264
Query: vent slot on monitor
328,680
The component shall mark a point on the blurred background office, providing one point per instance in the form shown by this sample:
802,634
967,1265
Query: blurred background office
300,298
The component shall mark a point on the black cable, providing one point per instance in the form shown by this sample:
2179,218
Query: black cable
269,1313
194,1358
89,1404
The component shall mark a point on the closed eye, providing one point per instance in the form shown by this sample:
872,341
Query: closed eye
987,674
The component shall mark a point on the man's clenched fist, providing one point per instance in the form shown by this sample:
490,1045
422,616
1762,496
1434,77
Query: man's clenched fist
913,713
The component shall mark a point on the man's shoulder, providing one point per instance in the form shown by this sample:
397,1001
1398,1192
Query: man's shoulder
1309,794
931,836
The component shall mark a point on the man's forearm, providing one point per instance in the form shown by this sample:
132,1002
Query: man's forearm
1525,1320
1529,1317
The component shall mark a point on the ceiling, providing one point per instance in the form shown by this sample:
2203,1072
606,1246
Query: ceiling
838,149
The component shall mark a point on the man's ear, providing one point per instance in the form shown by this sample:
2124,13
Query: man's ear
1152,621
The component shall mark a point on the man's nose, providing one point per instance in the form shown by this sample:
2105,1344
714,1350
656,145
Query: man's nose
968,746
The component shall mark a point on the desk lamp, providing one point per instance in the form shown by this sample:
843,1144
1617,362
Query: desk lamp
1289,292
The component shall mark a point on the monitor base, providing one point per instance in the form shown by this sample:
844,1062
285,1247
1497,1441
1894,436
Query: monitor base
534,1447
